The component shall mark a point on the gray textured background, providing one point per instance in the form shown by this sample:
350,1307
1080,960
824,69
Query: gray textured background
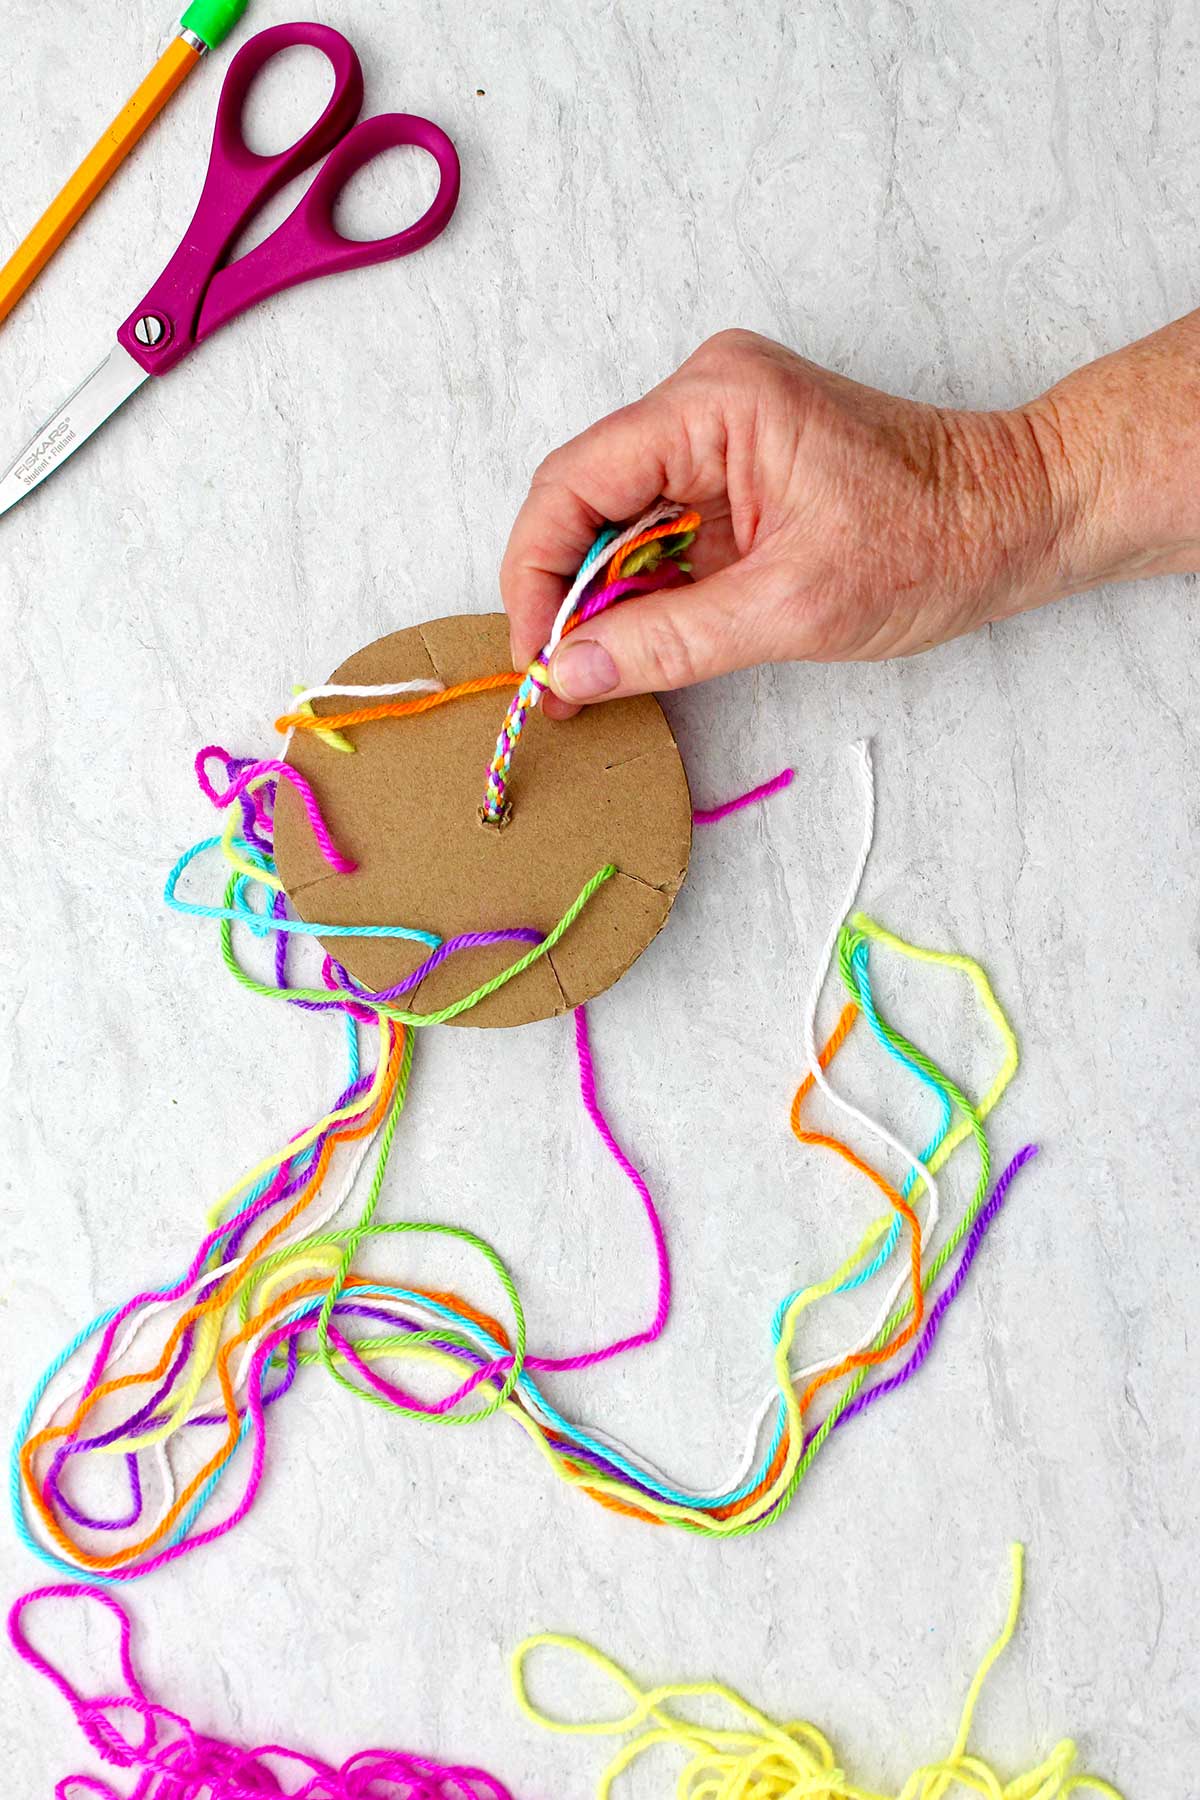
958,205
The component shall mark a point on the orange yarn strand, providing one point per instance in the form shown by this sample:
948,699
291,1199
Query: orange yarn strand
861,1358
396,709
688,521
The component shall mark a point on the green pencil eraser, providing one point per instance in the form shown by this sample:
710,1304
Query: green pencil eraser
213,20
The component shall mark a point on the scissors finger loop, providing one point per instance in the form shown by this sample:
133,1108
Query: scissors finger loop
369,139
343,107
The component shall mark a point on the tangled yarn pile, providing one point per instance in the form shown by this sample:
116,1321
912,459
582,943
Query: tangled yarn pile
158,1401
172,1760
753,1758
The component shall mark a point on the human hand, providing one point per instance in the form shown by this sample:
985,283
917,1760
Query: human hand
839,523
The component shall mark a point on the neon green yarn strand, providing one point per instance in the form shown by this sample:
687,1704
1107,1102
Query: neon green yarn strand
366,1228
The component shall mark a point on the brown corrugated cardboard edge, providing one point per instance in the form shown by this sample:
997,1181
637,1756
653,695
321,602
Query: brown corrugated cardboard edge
605,787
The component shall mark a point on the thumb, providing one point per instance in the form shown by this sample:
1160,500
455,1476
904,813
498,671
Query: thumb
673,638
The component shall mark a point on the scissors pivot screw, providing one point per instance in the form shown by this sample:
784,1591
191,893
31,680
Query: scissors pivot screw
150,330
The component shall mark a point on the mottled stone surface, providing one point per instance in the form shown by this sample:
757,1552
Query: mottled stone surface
953,200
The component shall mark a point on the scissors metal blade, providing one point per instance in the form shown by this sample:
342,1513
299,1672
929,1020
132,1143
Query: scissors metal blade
95,400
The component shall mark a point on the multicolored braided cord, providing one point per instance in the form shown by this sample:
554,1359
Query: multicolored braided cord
641,558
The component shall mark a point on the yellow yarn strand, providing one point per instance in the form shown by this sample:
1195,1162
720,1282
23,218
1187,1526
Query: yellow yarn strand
734,1523
233,855
363,1104
759,1760
334,739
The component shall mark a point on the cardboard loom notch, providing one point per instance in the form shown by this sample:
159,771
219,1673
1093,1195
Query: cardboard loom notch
606,787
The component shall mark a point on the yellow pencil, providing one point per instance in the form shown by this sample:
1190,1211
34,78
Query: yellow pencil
202,28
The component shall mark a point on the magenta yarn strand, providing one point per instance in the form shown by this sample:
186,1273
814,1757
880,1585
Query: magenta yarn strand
587,1089
586,1359
187,1280
242,780
784,779
654,581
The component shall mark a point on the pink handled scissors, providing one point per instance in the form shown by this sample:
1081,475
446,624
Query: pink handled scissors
199,291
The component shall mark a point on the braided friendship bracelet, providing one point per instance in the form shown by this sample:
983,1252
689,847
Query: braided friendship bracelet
641,560
275,1286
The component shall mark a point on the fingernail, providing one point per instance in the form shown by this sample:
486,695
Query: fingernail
583,670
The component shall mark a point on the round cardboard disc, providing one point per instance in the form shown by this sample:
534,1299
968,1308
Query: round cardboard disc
605,787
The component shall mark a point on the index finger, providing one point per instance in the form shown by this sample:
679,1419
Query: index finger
613,470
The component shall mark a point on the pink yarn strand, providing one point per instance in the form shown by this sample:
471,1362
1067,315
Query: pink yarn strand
784,779
284,772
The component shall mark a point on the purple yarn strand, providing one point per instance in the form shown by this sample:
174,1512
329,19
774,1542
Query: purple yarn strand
949,1294
468,940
